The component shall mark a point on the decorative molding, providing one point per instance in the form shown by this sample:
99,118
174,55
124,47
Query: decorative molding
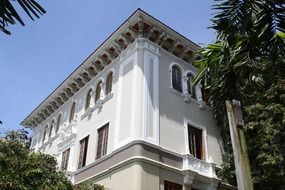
151,127
67,142
68,130
132,59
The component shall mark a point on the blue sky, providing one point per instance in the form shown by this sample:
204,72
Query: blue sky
36,58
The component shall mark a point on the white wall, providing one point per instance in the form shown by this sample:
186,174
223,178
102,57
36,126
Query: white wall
142,106
174,112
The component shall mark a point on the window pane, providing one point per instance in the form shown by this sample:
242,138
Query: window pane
83,152
196,147
64,160
190,87
45,131
98,92
72,112
176,78
102,141
58,123
88,98
108,87
51,128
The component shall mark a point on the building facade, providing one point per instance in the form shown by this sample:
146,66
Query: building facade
129,118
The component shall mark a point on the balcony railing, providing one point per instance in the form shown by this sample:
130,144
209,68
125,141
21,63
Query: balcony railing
200,166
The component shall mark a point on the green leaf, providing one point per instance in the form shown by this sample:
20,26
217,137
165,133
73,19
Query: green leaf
281,34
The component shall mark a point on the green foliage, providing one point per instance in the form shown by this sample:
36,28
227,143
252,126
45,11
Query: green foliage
247,63
9,15
265,121
20,136
21,169
88,185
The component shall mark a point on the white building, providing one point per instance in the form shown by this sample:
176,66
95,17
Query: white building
128,117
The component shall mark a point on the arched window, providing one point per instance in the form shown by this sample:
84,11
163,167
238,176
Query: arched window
108,87
72,110
45,132
88,99
98,91
51,128
58,123
190,87
176,78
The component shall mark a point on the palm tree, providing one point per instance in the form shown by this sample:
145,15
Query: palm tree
8,14
246,62
248,31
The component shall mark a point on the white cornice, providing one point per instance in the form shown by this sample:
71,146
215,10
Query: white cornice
139,24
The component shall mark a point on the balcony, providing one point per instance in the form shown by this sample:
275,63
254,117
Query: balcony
200,166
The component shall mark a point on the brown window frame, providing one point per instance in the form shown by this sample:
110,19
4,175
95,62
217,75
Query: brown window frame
168,185
83,152
176,74
65,159
196,142
102,142
108,86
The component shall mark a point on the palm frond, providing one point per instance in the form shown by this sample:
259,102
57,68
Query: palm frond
8,14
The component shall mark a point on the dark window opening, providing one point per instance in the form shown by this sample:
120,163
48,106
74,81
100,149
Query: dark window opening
172,186
176,78
190,87
88,99
58,123
108,88
98,91
71,117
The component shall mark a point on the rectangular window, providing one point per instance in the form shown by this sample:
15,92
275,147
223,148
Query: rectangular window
196,144
102,141
83,152
172,186
64,159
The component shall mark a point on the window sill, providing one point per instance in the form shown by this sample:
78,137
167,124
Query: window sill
176,92
102,157
189,98
49,141
87,112
98,105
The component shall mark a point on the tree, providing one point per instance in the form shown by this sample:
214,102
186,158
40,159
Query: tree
88,185
20,136
247,63
9,15
23,169
265,121
20,168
